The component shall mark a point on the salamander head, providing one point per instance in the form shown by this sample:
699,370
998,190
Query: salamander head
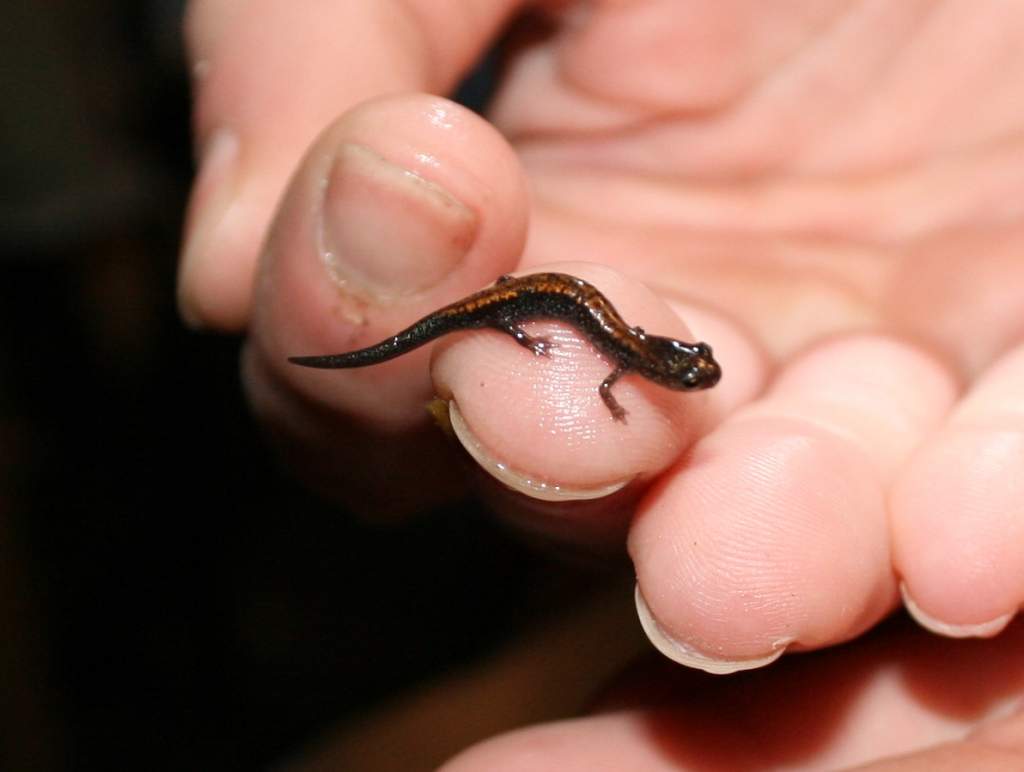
681,366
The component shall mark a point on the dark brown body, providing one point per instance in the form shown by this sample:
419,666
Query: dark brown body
511,301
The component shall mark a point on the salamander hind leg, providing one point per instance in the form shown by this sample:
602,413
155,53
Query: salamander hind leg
539,346
605,390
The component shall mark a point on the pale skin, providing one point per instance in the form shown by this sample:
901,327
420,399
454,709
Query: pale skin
827,192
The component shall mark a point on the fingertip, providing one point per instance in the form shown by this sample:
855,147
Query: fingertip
770,532
777,528
956,526
544,416
530,485
983,629
684,653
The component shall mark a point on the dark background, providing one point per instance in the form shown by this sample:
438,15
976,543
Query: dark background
168,599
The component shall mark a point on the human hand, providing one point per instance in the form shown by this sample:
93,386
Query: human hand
899,700
839,222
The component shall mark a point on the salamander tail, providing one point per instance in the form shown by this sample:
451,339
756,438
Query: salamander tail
328,362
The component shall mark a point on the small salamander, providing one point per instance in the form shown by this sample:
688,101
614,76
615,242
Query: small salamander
513,300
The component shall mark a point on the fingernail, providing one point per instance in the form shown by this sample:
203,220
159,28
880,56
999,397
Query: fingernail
937,626
213,195
528,485
687,655
388,231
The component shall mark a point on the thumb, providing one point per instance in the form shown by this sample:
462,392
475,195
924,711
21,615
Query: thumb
405,204
270,75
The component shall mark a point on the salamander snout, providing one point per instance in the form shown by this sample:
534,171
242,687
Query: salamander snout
703,372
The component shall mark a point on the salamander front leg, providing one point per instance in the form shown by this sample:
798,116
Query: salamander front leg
605,390
539,346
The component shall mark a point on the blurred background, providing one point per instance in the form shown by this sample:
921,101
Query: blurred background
168,600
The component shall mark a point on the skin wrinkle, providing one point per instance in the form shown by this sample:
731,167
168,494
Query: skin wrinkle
885,61
654,117
768,70
783,161
856,269
723,270
855,416
867,222
975,33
